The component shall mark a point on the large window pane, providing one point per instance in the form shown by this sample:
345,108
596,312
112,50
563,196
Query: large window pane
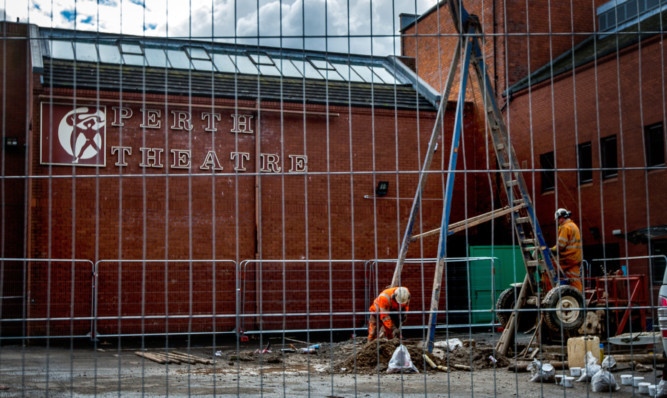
178,59
347,72
85,52
62,49
288,69
156,57
224,63
109,54
244,64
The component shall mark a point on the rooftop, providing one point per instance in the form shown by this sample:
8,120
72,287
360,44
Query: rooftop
69,58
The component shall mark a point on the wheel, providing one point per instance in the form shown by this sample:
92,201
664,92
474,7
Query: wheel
568,304
504,306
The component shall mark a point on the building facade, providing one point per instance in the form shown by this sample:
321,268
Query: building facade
169,186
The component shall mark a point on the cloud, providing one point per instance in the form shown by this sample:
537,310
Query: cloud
366,26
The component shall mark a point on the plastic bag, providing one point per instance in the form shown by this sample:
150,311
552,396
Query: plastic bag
604,381
450,344
608,363
400,361
542,372
591,368
661,389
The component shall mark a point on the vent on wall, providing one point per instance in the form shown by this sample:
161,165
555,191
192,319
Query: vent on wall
615,13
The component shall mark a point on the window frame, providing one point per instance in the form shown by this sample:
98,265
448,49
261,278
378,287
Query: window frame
585,163
607,169
547,174
654,145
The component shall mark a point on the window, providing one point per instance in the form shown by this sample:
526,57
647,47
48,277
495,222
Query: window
548,173
658,247
265,64
655,145
132,54
609,160
200,58
326,69
585,157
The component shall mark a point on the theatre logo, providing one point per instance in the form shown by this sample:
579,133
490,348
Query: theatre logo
73,136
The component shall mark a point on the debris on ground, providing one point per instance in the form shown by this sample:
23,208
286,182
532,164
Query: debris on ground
175,357
374,357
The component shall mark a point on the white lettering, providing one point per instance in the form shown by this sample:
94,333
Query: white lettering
242,124
119,114
211,118
270,162
150,118
299,163
238,158
211,162
181,120
151,157
181,159
122,151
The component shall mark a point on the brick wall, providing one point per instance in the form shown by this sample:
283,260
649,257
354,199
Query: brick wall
618,96
520,37
134,212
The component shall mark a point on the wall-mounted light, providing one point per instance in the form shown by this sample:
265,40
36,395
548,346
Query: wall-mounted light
381,189
11,142
617,232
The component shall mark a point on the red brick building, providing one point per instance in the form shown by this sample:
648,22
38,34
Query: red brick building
143,178
582,88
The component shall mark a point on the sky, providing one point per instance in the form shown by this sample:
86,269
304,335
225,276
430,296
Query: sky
372,25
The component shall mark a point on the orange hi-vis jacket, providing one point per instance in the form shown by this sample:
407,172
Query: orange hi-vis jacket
569,245
383,305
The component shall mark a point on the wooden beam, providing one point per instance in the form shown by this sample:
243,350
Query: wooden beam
470,222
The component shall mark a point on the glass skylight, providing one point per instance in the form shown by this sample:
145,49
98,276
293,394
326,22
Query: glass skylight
178,59
223,63
201,59
85,51
156,57
62,49
109,54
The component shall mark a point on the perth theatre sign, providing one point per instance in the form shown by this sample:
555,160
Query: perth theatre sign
77,136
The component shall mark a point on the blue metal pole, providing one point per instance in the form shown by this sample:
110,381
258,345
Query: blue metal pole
449,189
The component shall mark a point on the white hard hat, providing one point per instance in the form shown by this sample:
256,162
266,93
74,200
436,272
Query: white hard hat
402,295
562,213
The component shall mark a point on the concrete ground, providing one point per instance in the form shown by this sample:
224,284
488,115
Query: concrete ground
104,370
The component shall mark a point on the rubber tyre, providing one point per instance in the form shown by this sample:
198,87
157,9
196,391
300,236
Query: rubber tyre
505,303
561,299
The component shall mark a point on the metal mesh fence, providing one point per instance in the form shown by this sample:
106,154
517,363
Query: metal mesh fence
228,198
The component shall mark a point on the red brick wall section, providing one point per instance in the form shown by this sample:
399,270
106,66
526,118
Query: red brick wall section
14,108
618,97
520,34
135,213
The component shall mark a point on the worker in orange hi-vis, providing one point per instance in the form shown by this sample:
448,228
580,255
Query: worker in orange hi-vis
391,308
568,248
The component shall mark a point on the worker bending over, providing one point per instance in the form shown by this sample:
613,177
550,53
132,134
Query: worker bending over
391,308
568,248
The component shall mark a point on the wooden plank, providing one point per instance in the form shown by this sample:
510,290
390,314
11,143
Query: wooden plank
205,361
159,358
470,222
507,336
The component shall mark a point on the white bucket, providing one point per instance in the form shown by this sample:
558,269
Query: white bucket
575,371
559,379
626,380
568,381
653,390
636,380
643,387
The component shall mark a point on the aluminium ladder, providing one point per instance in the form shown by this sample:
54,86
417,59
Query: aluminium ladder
536,254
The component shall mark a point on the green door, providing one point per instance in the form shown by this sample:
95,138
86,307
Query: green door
485,284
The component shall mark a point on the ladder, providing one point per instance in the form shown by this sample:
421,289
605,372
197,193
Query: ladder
535,252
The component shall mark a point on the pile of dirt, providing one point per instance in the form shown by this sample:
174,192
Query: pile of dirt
374,357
